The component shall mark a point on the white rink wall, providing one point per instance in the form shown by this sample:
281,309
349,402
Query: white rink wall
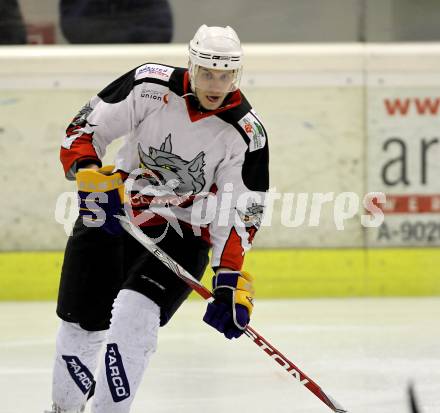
329,111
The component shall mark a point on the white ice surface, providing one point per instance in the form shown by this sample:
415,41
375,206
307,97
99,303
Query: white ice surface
361,351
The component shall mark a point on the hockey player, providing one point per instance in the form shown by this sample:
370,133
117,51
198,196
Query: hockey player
192,134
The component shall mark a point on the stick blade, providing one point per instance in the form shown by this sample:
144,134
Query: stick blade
334,405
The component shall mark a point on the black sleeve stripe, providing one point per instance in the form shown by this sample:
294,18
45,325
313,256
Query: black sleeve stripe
255,172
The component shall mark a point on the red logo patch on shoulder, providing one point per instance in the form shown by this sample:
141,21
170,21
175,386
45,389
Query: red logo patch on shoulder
254,130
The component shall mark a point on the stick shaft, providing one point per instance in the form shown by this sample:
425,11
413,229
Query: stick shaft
257,338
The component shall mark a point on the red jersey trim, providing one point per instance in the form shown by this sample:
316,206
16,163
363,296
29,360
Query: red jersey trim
195,115
81,148
233,253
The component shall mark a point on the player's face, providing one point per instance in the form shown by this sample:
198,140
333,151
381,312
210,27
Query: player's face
212,86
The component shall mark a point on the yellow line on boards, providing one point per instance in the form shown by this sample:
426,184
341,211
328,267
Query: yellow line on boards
285,273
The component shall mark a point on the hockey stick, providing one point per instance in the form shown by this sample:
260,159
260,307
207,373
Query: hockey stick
412,399
259,340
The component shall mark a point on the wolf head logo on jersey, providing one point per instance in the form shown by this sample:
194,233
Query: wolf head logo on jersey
252,216
251,219
167,170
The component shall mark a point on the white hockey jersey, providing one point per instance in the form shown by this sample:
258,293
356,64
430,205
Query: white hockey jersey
185,154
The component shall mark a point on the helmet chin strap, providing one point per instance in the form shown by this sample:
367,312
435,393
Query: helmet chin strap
196,101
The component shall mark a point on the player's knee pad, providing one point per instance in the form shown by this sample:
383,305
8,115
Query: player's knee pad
134,324
75,362
131,340
72,338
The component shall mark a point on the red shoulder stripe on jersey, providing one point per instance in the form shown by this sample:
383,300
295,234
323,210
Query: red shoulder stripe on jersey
195,115
233,253
81,148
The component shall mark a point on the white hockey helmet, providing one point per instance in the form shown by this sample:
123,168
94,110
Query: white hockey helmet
216,48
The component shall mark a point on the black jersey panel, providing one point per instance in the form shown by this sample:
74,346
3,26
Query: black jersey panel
176,83
255,172
119,89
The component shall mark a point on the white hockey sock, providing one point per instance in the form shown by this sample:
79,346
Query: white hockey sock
76,358
132,339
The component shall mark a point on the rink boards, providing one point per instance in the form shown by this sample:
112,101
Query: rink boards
340,118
